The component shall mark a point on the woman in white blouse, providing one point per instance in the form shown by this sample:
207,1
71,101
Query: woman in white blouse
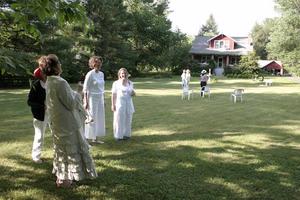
122,105
93,90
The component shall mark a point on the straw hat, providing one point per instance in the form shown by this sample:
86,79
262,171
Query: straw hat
203,71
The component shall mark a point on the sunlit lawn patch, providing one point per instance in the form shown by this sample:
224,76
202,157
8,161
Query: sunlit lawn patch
198,149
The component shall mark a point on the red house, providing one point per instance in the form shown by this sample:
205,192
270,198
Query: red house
273,66
224,50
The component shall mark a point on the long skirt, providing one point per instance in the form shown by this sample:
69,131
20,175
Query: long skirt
97,112
122,123
72,160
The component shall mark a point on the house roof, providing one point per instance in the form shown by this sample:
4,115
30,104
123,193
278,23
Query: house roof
201,46
263,63
219,35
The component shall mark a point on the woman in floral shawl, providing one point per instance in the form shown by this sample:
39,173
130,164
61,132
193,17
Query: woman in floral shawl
72,161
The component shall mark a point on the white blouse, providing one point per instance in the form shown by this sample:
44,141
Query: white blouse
124,95
94,82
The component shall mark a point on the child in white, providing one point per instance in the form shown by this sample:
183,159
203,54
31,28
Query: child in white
122,105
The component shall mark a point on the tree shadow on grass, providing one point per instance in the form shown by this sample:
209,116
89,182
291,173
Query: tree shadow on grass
173,165
183,172
35,181
253,172
179,172
246,171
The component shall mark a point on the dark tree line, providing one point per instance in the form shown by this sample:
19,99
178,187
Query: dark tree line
135,34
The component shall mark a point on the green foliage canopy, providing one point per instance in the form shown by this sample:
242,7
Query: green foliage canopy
20,33
135,34
284,42
248,64
260,35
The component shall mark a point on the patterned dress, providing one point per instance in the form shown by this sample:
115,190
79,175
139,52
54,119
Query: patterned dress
72,160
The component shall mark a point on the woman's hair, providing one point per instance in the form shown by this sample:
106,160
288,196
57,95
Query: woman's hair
52,65
42,60
94,59
123,69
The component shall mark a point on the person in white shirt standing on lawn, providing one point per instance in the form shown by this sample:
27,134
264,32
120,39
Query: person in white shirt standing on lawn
122,105
93,90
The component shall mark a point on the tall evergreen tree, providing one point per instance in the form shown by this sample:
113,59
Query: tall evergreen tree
151,32
109,34
210,28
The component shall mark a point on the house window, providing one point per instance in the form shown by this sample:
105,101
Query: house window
204,59
221,44
233,60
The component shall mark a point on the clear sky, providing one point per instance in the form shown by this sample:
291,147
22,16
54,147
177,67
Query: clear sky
233,17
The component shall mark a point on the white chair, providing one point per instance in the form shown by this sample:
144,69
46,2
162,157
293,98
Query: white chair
237,94
268,82
187,93
205,90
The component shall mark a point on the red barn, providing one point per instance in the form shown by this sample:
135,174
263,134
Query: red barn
273,66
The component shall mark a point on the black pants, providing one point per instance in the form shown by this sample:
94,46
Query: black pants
202,84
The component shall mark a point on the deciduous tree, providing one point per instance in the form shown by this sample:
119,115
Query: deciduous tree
19,28
284,42
260,36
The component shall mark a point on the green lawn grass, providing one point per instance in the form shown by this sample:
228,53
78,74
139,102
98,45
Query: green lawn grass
198,149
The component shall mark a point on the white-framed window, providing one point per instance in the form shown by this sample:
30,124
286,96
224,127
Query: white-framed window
221,44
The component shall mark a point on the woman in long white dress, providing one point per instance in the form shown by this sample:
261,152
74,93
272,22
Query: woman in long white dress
72,160
188,76
122,105
183,78
93,90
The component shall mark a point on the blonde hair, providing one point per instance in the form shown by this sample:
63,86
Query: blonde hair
93,59
125,70
42,60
